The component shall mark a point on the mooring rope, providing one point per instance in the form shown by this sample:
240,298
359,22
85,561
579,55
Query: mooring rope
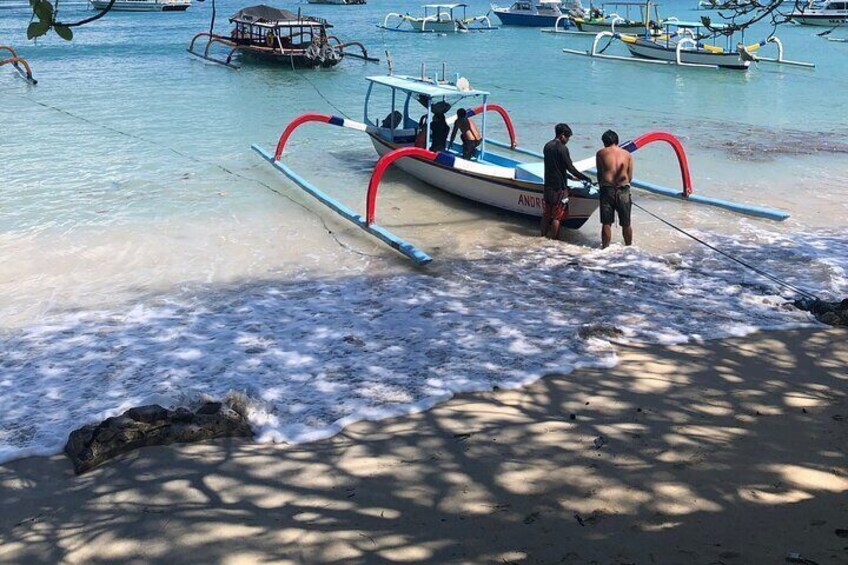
745,264
196,159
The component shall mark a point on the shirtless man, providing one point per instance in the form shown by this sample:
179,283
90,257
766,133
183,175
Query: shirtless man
615,172
470,136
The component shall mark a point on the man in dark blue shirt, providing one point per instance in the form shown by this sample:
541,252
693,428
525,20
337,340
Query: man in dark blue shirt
557,167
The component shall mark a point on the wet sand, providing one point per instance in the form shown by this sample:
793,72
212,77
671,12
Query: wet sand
730,451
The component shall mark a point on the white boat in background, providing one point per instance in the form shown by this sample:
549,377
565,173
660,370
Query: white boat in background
828,13
620,17
689,44
143,5
537,13
439,18
338,2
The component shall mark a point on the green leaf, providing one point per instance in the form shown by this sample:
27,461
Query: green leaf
706,21
37,29
63,31
44,11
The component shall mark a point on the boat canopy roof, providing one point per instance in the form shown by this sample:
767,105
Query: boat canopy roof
269,16
425,87
448,6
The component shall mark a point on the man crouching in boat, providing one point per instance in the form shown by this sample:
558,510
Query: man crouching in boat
615,171
557,166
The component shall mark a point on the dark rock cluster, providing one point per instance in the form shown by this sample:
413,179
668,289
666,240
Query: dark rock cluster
150,425
830,313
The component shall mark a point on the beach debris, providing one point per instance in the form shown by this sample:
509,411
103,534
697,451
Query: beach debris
795,557
843,533
151,425
579,519
600,441
603,331
830,313
530,518
572,416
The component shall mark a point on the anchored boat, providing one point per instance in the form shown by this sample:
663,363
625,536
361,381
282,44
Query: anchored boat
143,5
279,35
439,18
827,13
537,13
626,17
404,137
339,2
688,44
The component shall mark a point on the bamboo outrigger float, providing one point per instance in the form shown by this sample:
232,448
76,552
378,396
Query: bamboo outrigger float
281,36
494,179
18,63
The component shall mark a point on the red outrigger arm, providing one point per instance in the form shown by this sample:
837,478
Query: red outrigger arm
513,143
383,164
653,136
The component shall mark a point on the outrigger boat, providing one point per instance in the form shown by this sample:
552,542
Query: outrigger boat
686,44
339,2
599,19
494,179
439,18
280,36
621,23
18,63
143,5
537,13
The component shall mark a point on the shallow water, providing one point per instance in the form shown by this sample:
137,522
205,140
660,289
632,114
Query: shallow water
142,240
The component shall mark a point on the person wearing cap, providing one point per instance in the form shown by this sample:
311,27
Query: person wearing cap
558,165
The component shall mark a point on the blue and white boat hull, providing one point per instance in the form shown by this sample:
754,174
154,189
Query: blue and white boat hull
508,18
496,189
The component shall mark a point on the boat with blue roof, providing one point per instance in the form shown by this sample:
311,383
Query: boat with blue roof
401,133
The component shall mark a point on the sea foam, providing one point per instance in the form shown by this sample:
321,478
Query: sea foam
313,356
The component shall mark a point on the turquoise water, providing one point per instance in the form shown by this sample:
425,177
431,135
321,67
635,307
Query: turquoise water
128,183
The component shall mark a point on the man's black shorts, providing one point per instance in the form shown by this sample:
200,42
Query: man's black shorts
615,200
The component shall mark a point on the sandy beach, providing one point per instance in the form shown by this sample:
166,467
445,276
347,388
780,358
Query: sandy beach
730,451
